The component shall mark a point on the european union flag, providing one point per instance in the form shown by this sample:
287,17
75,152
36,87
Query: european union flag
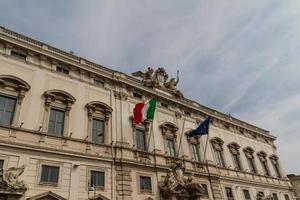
202,129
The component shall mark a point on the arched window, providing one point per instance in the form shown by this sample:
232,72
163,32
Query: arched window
275,163
12,93
58,104
169,132
217,144
264,162
194,147
234,150
98,117
249,153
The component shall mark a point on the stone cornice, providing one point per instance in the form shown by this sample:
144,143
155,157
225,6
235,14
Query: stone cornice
121,78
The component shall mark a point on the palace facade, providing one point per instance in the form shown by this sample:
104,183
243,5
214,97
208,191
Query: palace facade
67,132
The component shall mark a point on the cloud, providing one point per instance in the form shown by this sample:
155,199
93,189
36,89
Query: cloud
240,57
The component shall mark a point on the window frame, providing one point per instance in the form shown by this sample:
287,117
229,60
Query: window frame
98,187
169,132
14,87
13,110
63,122
88,180
145,190
139,129
60,100
99,111
53,164
249,154
217,146
153,186
247,190
226,193
235,154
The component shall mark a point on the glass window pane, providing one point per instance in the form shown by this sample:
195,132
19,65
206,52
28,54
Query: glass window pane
140,140
286,196
247,195
145,183
97,179
7,107
171,147
50,174
275,197
229,193
56,122
1,164
98,131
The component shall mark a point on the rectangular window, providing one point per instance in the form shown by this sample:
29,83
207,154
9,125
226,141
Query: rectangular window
98,83
236,161
251,165
56,122
145,184
1,164
62,70
219,156
195,152
265,167
286,197
7,110
247,194
98,131
18,55
140,140
276,168
171,147
275,197
97,179
205,189
50,174
229,193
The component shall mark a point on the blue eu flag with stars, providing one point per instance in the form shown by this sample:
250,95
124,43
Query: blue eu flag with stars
202,129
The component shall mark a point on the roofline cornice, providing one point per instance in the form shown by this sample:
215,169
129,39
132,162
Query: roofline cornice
120,77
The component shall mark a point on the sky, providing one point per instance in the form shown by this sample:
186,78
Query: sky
238,57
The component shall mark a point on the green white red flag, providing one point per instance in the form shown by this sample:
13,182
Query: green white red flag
144,111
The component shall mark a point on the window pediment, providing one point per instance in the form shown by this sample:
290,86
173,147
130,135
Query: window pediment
98,107
248,152
60,97
262,155
169,127
234,148
217,143
47,195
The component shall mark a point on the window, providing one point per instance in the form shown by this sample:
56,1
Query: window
97,179
56,122
286,197
247,194
145,184
165,105
98,114
265,167
195,152
7,109
140,140
275,163
18,54
205,189
98,131
98,82
229,193
58,105
137,95
50,174
62,70
171,147
1,164
234,150
220,159
250,159
275,197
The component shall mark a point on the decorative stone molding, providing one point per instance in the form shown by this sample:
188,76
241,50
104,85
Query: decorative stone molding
169,128
249,152
47,195
234,148
13,86
120,95
19,86
217,143
274,159
10,183
58,99
97,107
262,155
177,185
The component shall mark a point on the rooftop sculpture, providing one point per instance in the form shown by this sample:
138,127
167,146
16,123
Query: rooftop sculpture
159,79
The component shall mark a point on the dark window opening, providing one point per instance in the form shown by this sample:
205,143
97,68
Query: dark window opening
171,147
145,183
164,105
229,193
56,122
97,179
62,70
247,194
50,174
137,95
195,152
98,131
18,55
98,83
7,109
140,140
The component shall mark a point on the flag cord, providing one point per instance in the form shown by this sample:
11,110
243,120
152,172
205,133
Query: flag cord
180,142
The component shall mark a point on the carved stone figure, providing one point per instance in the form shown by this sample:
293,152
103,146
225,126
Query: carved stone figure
177,185
160,80
146,77
9,179
260,196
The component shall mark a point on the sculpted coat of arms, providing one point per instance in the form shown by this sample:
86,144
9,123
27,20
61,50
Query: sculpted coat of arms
159,79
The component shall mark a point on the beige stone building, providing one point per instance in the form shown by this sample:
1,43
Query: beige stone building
295,181
66,132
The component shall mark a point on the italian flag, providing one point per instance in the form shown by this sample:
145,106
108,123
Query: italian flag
144,111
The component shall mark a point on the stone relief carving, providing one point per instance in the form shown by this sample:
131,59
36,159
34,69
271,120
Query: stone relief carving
9,179
178,185
260,196
159,79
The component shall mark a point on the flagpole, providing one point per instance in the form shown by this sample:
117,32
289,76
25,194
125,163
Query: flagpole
151,130
180,142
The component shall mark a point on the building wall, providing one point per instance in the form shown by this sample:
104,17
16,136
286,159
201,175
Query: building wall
27,141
